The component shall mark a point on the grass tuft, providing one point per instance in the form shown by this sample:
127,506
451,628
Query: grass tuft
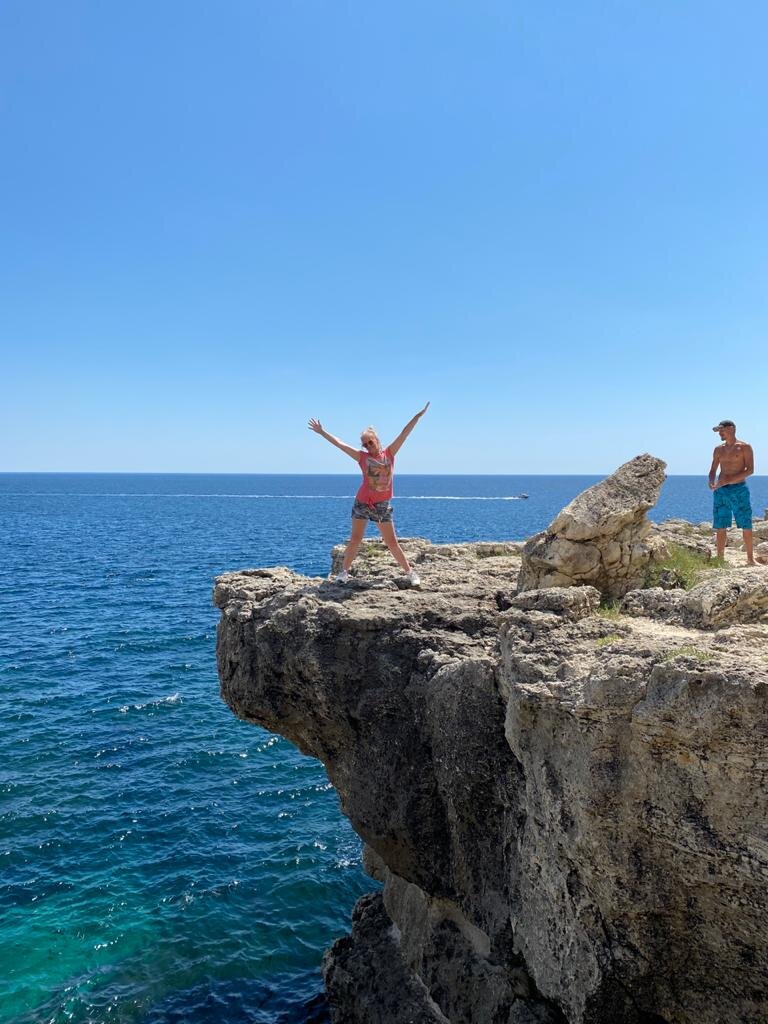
685,565
611,638
688,652
609,610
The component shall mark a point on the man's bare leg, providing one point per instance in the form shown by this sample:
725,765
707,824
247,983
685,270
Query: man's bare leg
720,536
747,535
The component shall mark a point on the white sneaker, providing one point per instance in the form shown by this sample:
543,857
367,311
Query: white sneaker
342,577
413,578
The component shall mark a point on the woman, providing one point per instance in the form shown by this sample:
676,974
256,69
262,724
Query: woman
372,500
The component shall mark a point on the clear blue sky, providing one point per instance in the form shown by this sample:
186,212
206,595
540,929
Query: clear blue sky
219,219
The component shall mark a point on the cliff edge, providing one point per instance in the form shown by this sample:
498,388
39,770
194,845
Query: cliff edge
566,804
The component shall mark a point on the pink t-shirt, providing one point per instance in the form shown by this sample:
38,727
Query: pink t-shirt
377,471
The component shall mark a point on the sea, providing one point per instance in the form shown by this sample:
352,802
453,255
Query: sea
161,861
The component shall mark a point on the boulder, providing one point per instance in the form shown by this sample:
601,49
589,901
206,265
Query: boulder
602,538
653,603
726,598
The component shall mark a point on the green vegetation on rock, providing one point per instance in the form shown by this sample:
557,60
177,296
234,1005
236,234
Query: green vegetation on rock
688,651
609,610
604,641
683,566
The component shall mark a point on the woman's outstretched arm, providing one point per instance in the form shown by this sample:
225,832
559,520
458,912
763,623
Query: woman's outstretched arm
317,426
398,442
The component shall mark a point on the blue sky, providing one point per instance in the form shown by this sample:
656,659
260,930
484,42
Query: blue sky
221,219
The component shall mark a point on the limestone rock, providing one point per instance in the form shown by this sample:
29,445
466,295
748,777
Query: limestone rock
646,780
373,558
572,602
654,603
620,500
395,691
726,598
735,537
677,533
761,552
366,978
374,561
700,538
602,538
568,813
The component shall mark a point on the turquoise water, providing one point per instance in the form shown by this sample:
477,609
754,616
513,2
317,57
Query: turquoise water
159,860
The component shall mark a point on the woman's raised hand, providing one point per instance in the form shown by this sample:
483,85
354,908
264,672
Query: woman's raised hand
317,426
398,442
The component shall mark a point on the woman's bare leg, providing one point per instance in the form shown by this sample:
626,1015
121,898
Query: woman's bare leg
354,542
390,539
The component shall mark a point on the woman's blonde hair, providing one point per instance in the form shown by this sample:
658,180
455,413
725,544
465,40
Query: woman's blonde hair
370,432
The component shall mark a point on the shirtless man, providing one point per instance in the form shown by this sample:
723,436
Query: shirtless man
731,498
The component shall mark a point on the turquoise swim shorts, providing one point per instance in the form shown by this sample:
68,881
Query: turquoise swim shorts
732,500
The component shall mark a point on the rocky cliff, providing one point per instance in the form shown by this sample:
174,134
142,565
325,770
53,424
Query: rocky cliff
566,804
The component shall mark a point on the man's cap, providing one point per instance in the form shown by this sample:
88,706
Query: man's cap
724,423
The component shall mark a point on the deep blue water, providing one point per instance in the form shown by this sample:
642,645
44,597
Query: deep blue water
161,861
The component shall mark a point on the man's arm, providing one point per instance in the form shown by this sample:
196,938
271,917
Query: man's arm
398,442
317,426
713,468
749,469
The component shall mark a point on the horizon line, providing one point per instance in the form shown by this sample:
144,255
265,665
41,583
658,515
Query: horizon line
142,472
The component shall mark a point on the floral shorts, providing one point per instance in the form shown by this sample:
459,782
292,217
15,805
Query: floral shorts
381,512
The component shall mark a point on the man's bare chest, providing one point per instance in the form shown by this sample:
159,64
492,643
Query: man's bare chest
732,457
